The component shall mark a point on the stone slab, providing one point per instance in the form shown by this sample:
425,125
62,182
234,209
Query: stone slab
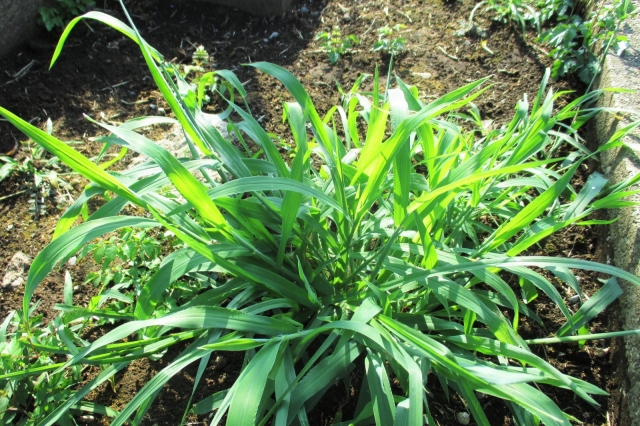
18,22
618,165
255,7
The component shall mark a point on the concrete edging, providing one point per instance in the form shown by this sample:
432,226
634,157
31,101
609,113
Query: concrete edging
18,22
618,165
255,7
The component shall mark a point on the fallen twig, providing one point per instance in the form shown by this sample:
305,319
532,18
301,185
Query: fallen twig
143,101
13,195
114,86
23,71
455,58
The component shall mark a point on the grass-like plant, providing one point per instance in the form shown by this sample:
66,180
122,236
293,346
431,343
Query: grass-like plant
395,239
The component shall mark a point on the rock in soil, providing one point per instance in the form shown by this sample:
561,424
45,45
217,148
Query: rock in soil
16,270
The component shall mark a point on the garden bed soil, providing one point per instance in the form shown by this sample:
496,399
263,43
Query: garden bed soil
103,75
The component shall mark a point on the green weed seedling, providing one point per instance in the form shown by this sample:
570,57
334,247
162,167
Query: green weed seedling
335,45
39,174
390,41
124,259
517,11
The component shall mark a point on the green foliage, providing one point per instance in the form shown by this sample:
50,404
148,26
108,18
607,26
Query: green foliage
61,12
27,399
335,45
394,239
518,11
576,42
389,40
125,260
553,9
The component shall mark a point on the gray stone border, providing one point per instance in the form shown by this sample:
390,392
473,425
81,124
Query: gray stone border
618,165
18,22
255,7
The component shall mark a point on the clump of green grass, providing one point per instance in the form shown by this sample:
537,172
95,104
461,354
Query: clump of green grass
402,250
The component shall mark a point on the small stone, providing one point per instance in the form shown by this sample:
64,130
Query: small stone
425,75
161,111
574,300
273,35
9,227
463,418
16,270
72,261
487,125
346,18
153,106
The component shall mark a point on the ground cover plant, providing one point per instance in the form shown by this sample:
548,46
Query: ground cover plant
369,247
578,44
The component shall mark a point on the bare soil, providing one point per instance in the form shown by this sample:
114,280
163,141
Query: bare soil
104,76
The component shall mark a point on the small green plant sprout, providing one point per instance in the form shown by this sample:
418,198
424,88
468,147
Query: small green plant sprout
38,174
335,45
504,11
202,81
58,14
517,11
389,40
200,58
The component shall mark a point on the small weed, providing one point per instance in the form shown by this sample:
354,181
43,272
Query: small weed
28,400
41,177
125,260
200,59
335,45
389,40
518,11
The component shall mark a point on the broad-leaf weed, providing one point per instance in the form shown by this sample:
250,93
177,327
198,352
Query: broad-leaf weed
394,239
